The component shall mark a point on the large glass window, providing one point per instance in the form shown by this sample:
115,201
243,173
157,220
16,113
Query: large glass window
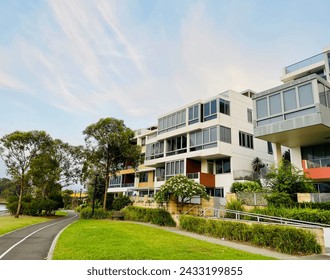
275,104
222,166
172,121
225,134
210,110
207,138
290,100
224,106
262,109
173,168
305,93
176,145
193,114
155,150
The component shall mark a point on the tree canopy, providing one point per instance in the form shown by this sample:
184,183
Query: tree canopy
108,147
289,179
182,188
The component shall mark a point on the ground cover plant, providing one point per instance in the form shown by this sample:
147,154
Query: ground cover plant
117,240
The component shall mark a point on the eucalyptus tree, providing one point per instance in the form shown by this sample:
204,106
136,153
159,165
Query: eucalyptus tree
18,150
108,147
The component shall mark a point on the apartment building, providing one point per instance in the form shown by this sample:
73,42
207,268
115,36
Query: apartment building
210,141
296,115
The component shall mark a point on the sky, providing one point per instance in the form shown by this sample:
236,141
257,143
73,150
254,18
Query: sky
64,64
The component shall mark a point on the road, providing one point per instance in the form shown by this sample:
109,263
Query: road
33,242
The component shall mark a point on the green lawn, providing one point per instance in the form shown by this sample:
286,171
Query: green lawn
116,240
10,223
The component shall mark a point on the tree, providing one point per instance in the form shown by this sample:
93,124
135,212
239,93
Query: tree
289,179
182,188
7,187
108,148
18,150
257,166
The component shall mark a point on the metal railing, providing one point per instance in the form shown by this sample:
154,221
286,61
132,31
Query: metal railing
240,215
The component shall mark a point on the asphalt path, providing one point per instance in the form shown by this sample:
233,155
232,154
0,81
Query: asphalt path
33,242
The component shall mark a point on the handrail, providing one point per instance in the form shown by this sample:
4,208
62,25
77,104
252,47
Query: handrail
259,217
190,209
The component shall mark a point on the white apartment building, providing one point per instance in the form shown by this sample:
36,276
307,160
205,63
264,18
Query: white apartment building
210,141
296,115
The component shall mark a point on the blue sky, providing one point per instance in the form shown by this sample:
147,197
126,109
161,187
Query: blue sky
64,64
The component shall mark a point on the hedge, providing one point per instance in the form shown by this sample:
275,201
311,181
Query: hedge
99,213
283,239
148,215
302,214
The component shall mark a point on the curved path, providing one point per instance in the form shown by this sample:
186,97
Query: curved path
33,242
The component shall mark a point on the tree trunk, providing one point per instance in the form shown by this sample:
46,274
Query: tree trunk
106,179
19,200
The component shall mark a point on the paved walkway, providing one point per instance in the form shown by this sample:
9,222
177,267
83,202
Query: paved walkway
243,247
33,242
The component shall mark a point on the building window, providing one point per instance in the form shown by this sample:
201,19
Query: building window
275,104
262,109
207,138
270,148
194,114
249,115
143,177
155,150
172,121
143,141
210,110
176,145
219,192
305,94
224,106
290,100
173,168
115,182
160,173
222,166
245,140
225,134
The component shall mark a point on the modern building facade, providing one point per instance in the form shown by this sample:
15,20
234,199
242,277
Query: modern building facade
296,115
210,141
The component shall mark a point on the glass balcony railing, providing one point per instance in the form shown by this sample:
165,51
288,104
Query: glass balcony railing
318,163
304,63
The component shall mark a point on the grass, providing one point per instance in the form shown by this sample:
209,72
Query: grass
10,223
116,240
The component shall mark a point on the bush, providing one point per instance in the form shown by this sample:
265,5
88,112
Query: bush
234,204
99,213
288,240
315,205
250,186
282,199
147,215
121,202
309,215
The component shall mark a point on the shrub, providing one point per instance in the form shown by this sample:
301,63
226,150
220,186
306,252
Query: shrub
288,240
234,204
280,199
147,215
99,213
309,215
250,186
120,202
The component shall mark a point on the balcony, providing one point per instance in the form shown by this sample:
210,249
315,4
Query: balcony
206,179
243,175
304,63
317,169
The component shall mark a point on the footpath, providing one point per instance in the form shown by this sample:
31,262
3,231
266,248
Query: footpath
242,246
